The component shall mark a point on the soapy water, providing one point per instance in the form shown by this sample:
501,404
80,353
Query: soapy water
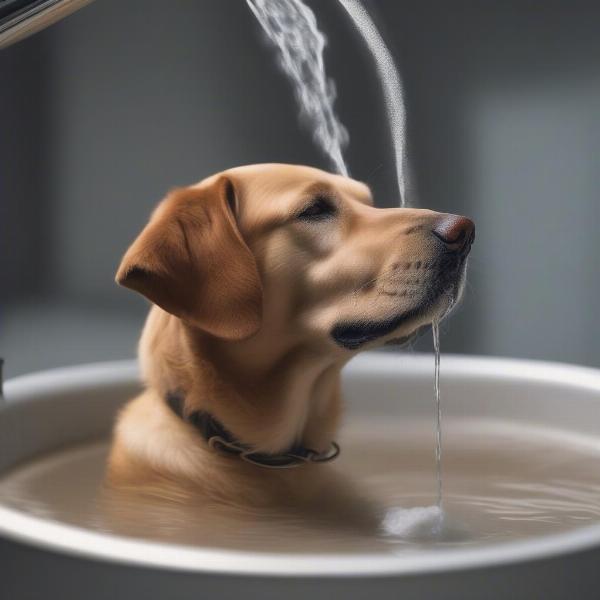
503,482
292,28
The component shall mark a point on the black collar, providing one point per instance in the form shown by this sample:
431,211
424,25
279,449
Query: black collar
219,438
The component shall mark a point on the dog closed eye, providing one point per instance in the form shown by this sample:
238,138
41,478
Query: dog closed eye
319,209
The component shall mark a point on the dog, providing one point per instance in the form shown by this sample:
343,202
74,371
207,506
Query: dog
265,281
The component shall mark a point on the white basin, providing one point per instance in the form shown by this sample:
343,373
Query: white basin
47,410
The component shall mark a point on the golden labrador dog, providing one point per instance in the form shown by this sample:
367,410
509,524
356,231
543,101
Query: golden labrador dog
266,280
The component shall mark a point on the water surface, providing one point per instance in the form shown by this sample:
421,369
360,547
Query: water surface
502,482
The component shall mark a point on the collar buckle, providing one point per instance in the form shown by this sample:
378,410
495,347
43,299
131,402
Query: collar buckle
294,458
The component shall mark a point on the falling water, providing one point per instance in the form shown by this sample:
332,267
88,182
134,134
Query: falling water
435,329
392,87
425,521
292,28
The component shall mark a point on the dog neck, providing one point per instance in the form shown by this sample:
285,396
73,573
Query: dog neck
269,393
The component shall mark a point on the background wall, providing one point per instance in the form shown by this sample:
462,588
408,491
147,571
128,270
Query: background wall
105,111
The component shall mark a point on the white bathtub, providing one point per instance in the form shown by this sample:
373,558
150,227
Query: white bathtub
40,558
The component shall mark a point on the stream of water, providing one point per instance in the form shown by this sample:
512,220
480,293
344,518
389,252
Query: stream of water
391,84
291,26
435,329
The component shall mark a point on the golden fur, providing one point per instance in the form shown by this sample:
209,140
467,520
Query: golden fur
246,294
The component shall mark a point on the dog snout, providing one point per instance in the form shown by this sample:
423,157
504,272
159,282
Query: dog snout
456,232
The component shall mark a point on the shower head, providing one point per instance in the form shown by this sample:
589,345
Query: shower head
21,18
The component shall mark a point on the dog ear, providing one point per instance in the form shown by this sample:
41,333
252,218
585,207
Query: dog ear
192,261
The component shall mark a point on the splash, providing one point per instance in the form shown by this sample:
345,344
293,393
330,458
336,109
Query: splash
392,87
418,523
292,27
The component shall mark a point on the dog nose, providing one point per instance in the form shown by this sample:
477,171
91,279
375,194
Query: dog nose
456,232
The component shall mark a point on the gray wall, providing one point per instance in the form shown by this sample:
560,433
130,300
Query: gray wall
105,111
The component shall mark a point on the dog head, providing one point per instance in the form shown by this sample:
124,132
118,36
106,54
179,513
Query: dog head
297,254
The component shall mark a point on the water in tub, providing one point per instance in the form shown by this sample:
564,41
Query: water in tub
502,482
